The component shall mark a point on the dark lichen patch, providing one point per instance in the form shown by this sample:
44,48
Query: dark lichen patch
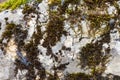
32,53
20,35
38,35
39,1
19,65
71,12
63,8
54,2
91,52
92,4
0,24
116,5
16,31
62,66
77,76
92,56
31,50
54,30
9,30
83,76
96,21
28,9
72,1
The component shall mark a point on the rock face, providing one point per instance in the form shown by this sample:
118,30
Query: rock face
6,67
61,40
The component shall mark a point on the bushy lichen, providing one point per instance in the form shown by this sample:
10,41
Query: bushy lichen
12,4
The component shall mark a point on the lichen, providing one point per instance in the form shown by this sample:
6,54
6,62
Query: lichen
96,22
12,4
39,1
9,30
77,76
31,55
92,4
91,55
54,30
28,9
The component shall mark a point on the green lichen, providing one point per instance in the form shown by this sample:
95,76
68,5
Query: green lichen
12,4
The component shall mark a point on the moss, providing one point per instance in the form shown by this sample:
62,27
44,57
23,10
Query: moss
54,2
92,56
39,1
77,76
58,2
38,35
72,1
92,4
54,30
28,9
8,30
83,76
75,13
96,21
7,34
116,5
20,35
32,53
